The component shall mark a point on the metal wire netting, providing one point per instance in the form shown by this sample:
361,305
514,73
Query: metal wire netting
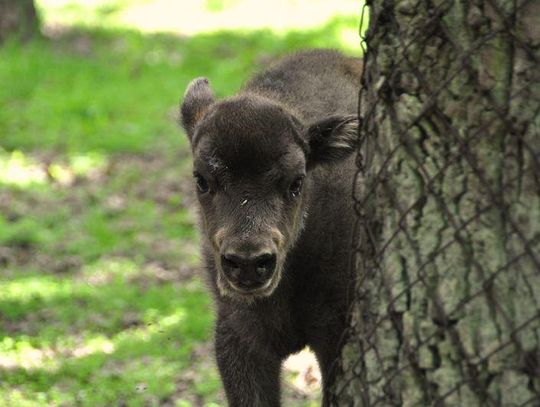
447,308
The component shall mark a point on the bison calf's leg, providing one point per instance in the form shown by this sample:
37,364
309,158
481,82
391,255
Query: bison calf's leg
250,374
327,356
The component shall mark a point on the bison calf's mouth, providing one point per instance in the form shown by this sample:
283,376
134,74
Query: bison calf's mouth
248,273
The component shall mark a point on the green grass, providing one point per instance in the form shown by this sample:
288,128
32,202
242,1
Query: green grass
100,300
104,340
115,91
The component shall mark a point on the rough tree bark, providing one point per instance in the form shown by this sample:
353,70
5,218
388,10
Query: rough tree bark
18,18
448,254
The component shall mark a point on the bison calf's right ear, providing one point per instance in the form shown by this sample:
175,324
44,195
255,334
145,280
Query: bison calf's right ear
197,99
332,139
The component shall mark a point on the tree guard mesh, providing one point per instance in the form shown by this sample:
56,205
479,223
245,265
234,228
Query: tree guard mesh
447,193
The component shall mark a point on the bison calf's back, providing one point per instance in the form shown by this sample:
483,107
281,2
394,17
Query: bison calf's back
273,170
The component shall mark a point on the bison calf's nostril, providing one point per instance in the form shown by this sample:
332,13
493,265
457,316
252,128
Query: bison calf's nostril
231,266
265,264
230,260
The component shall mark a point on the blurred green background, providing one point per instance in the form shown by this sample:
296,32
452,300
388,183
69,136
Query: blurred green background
101,298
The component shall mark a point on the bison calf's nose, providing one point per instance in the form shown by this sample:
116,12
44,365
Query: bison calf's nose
248,273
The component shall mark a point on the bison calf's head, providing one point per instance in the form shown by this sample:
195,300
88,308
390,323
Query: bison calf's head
253,160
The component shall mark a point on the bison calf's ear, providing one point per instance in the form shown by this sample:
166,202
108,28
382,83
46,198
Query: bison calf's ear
197,99
332,139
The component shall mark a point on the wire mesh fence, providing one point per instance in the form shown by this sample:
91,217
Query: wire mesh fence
447,193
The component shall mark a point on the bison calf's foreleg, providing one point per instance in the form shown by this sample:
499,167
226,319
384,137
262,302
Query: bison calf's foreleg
250,373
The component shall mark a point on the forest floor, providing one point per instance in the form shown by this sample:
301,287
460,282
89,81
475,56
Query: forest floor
101,298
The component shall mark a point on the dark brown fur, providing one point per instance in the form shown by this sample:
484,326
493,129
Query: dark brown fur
296,119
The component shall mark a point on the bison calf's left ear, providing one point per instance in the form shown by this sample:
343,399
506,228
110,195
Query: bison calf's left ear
197,99
332,139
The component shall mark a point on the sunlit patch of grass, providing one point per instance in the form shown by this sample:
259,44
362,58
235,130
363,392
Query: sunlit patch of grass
119,342
22,353
33,286
19,170
86,164
117,216
22,170
90,12
191,17
348,38
76,166
16,397
219,5
106,270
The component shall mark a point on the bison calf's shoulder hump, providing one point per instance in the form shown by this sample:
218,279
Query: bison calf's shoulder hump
273,169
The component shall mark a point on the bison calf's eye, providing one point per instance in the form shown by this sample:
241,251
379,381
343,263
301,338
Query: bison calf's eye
202,184
296,186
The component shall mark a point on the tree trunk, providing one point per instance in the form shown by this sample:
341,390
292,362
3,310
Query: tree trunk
18,18
447,311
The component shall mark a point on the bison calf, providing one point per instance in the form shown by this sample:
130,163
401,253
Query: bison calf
273,170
